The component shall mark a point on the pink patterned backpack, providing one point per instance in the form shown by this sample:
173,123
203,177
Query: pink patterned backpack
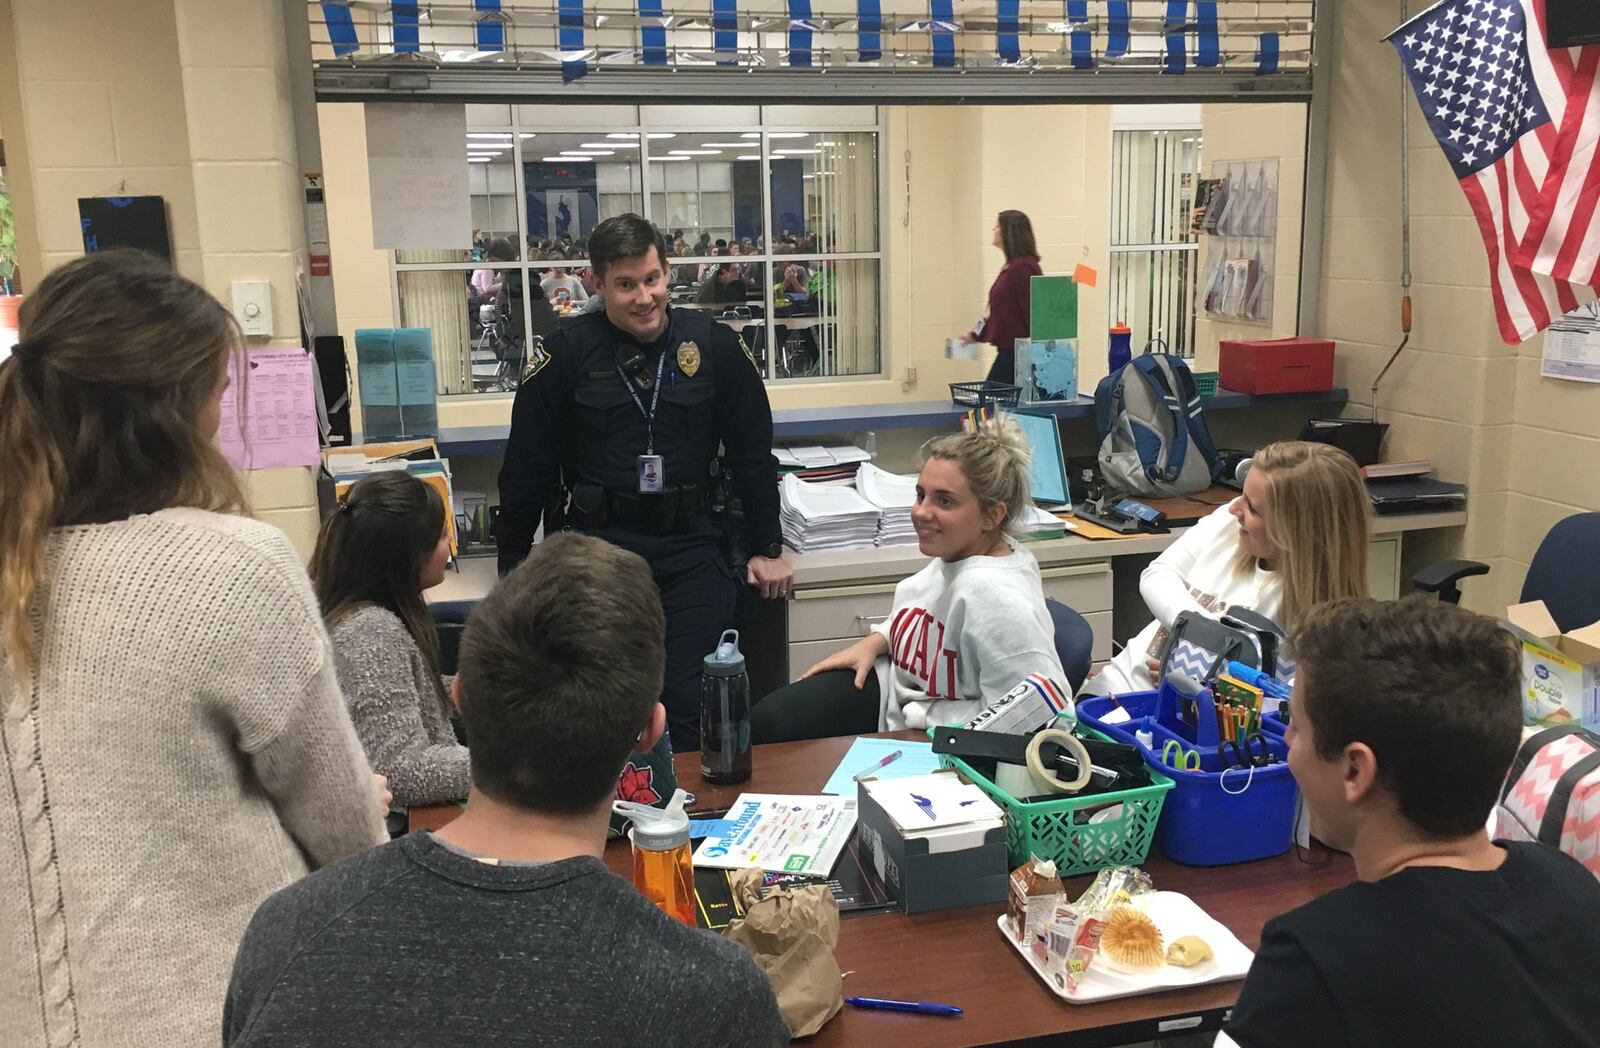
1553,793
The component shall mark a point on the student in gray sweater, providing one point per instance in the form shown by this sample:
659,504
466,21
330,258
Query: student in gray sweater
506,927
385,544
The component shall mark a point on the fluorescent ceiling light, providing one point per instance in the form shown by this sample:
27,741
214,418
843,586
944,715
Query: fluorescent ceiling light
496,136
568,159
662,134
793,152
725,145
697,152
668,159
477,160
527,134
576,153
788,134
751,134
623,134
747,158
609,145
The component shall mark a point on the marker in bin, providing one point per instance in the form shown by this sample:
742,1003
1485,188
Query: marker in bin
1269,684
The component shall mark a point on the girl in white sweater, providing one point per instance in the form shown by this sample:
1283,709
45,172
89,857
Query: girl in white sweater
963,631
174,745
1296,537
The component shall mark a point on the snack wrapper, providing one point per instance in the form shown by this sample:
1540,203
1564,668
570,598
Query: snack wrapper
1113,886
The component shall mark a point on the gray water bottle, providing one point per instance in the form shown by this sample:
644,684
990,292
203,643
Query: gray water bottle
725,714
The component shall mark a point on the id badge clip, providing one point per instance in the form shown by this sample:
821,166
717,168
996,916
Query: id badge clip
652,474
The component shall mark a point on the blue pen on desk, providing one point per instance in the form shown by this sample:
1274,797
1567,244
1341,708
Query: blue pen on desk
919,1007
890,759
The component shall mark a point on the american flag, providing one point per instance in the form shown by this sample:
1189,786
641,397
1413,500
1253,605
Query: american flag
1499,102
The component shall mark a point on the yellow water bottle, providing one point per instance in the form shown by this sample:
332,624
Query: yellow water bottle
662,868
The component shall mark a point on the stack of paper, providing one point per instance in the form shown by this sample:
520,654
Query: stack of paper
939,807
894,495
1036,524
817,517
822,465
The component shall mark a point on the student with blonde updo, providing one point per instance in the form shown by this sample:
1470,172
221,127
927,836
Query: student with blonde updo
962,632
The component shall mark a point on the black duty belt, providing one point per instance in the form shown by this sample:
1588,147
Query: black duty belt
678,509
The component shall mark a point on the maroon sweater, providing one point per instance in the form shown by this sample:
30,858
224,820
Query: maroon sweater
1008,303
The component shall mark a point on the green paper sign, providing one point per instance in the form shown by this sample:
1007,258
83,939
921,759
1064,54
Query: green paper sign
1052,308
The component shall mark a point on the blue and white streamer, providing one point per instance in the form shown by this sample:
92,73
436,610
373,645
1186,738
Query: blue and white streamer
341,28
725,31
489,32
569,38
1082,40
943,32
405,19
800,29
869,28
652,38
1007,43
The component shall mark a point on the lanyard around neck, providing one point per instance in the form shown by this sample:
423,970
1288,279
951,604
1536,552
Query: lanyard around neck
655,398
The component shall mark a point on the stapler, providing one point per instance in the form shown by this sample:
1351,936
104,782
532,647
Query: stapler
1123,515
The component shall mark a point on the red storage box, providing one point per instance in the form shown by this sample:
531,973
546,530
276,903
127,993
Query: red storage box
1276,365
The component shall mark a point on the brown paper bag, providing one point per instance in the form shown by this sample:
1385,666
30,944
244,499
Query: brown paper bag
792,934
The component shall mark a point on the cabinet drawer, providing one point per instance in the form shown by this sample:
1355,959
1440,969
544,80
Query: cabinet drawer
1100,622
806,655
829,613
1084,588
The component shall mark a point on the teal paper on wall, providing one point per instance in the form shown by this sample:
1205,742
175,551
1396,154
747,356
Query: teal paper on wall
1052,308
395,373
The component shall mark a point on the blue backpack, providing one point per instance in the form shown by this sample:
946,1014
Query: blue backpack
1152,429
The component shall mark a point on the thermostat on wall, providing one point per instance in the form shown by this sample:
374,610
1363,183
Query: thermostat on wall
252,307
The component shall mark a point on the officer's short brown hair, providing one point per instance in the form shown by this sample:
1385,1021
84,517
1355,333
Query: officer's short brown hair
624,236
1432,689
561,669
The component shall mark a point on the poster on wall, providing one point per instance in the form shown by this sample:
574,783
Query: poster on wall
561,212
139,222
417,170
1572,346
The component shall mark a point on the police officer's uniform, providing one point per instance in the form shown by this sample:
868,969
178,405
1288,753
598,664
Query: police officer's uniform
580,448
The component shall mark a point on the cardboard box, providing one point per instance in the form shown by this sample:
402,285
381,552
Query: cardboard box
1560,671
921,880
1275,365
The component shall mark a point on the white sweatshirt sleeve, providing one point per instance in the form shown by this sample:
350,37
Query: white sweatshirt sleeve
1165,583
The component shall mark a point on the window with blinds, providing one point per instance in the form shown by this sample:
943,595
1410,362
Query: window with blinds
1154,253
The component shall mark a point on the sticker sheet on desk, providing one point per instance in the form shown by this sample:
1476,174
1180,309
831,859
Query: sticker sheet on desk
277,426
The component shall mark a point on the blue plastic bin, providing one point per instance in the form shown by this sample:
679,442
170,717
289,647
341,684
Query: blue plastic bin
1214,816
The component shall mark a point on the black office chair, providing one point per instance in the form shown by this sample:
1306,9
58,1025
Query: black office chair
1074,642
1565,573
449,622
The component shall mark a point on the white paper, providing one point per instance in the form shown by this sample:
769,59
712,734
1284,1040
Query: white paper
920,803
781,832
417,167
1572,346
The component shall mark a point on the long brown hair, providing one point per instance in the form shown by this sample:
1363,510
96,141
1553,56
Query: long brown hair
371,550
1319,515
100,405
1016,236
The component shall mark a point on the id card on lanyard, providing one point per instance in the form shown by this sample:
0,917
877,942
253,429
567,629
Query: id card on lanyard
652,467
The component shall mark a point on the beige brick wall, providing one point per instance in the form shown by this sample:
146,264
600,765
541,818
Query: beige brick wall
1454,394
183,99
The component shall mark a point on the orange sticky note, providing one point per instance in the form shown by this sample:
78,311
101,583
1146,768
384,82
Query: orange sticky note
1082,274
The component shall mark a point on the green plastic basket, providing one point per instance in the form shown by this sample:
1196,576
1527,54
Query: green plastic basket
1061,831
1205,383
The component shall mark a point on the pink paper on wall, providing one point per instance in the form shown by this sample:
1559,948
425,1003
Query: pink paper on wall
269,416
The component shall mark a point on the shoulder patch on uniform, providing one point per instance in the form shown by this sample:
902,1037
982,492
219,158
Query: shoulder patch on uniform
535,365
751,357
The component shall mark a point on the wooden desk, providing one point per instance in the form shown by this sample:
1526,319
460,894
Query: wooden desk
958,957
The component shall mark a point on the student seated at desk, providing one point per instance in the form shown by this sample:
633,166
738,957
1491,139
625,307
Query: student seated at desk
1405,718
1297,537
172,742
963,630
385,544
505,927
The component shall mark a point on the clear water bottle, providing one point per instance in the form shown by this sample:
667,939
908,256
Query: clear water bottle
663,870
725,714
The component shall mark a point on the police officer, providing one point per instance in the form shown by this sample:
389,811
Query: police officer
616,431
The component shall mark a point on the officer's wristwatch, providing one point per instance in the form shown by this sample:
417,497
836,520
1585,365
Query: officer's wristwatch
773,551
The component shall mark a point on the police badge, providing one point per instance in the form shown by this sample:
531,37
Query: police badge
688,359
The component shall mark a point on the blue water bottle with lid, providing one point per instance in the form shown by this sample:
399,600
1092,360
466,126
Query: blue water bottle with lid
1121,350
725,714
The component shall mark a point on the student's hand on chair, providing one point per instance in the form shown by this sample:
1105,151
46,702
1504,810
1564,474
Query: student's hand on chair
857,658
385,798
